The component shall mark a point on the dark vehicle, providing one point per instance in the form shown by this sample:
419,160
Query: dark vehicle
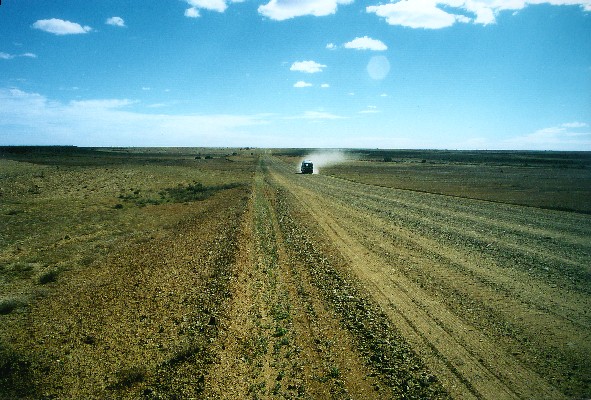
307,167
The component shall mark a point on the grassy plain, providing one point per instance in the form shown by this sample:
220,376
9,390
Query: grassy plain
221,273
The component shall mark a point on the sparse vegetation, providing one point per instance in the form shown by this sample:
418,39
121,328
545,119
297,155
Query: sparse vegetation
7,305
48,276
149,273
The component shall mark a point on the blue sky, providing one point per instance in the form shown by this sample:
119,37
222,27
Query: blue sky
448,74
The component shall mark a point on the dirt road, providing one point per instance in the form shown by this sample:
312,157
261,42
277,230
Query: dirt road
311,287
493,297
366,292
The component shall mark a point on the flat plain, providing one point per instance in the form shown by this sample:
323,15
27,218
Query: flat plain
223,273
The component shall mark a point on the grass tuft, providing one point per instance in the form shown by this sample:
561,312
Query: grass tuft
9,304
130,376
48,276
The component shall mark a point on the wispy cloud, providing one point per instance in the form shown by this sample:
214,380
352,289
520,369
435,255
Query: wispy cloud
115,21
575,125
6,56
437,14
60,27
280,10
301,84
567,136
35,119
310,67
370,110
366,43
101,104
317,116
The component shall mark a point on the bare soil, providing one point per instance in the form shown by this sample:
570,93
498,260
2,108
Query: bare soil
271,284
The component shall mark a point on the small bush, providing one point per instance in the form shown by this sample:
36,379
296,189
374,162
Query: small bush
16,380
181,194
8,305
334,372
279,331
48,276
130,376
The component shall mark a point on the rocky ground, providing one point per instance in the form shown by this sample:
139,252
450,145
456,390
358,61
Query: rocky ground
312,287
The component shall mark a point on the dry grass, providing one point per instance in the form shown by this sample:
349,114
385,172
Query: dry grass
64,211
552,180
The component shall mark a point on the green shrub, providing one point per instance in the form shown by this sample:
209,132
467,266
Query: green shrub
8,305
48,276
129,376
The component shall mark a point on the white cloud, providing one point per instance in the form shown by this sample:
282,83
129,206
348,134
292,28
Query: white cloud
325,85
192,12
316,115
320,115
211,5
30,118
432,14
6,56
575,125
285,9
60,27
158,105
567,136
414,14
370,110
309,67
115,21
366,43
301,84
102,104
331,46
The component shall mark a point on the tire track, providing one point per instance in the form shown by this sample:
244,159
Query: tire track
462,355
280,340
489,250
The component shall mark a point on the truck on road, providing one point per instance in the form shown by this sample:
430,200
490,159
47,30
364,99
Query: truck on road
307,167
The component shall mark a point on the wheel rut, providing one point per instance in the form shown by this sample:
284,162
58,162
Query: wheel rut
469,360
280,339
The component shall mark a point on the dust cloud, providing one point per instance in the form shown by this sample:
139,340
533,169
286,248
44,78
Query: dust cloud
322,159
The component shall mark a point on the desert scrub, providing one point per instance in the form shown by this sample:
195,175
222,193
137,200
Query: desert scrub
9,304
181,194
15,374
193,192
48,276
128,377
17,270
